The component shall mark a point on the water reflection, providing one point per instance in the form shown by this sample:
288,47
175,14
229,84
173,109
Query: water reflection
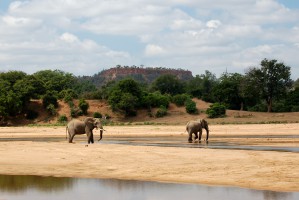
35,187
21,183
237,142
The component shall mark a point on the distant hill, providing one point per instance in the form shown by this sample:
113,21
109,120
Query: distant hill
140,74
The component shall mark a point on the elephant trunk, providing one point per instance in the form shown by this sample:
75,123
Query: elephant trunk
207,129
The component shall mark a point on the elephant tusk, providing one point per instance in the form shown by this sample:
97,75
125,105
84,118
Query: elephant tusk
101,129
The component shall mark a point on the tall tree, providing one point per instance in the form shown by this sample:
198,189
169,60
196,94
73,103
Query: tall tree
125,96
272,80
229,90
168,84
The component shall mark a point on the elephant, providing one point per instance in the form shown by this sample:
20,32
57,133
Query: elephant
196,126
77,127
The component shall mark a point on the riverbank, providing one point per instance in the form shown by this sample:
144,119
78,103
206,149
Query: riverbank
31,151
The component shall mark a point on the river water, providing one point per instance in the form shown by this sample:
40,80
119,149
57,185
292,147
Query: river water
42,188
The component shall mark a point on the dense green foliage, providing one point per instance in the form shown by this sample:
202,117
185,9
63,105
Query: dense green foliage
216,110
265,88
180,99
168,84
83,105
191,107
161,112
97,115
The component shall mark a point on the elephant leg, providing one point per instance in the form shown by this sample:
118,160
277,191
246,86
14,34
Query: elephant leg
190,137
91,138
196,136
71,137
200,134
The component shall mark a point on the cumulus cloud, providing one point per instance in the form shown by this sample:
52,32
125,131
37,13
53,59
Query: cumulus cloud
190,34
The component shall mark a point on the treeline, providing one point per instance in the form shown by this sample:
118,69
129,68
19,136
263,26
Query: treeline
264,88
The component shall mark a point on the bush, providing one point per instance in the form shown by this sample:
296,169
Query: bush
62,119
191,107
261,107
75,112
216,110
51,109
83,105
161,112
180,99
67,98
97,115
156,100
49,99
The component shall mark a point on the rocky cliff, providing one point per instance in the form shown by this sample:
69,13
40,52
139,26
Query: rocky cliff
141,74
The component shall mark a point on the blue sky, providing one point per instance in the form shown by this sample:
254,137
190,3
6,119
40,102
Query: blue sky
85,37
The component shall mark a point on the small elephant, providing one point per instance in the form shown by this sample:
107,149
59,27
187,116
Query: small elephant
195,127
76,127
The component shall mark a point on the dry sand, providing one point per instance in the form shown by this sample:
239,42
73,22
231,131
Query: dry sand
268,170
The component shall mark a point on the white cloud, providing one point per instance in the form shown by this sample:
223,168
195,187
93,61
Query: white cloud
68,37
190,33
213,24
154,50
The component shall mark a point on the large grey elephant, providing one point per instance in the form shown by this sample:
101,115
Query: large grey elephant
76,127
196,127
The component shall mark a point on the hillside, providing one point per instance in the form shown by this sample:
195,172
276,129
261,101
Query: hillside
140,74
176,115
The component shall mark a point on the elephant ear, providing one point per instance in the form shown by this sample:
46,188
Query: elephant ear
204,123
89,122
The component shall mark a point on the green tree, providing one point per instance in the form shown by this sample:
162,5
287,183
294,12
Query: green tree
180,99
201,86
168,84
216,110
55,80
209,82
229,91
13,76
191,107
83,105
155,100
48,99
16,91
272,80
126,96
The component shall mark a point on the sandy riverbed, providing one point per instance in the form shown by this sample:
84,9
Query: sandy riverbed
268,170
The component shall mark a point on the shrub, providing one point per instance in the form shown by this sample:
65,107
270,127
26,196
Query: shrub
50,99
161,112
260,107
62,119
191,107
180,99
83,105
216,110
74,112
51,109
155,99
97,115
67,98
